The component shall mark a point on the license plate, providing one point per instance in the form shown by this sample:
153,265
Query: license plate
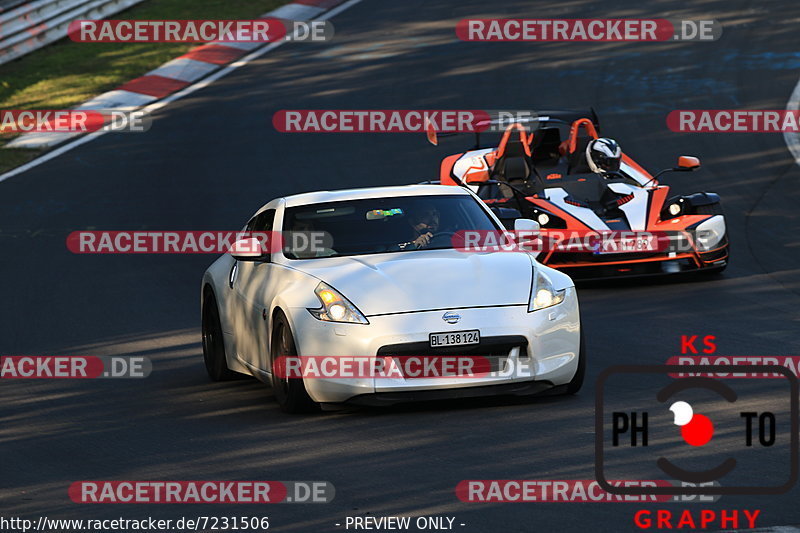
455,338
643,243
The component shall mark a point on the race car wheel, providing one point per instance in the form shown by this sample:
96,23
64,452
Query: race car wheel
213,345
577,381
289,392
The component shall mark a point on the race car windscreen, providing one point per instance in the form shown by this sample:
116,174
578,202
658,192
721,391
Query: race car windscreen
381,225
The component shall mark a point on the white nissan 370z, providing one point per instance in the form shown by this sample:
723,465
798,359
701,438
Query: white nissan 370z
387,281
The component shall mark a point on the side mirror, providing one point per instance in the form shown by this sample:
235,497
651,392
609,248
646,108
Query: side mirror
687,163
249,249
527,234
526,224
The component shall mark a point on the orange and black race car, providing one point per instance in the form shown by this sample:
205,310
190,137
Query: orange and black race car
543,171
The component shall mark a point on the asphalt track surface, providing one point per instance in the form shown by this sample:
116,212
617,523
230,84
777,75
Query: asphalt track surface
213,158
8,4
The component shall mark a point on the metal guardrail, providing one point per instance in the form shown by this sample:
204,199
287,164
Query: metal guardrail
32,25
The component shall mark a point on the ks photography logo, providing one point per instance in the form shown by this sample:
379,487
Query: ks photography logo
697,430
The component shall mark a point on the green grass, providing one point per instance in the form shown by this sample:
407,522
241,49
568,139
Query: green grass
14,157
65,74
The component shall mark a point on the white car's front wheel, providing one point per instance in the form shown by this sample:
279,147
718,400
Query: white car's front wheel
289,392
577,381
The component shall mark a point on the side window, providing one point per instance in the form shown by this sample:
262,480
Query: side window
262,221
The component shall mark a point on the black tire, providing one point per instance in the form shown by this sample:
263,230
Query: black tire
213,343
577,380
290,393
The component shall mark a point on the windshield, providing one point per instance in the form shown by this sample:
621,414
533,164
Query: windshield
380,225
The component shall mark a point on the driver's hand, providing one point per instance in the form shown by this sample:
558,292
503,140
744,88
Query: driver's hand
423,240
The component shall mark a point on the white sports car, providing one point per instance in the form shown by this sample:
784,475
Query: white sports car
388,282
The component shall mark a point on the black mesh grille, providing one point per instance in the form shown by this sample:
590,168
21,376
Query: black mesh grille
495,349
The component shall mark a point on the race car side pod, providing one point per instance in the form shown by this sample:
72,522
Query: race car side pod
692,200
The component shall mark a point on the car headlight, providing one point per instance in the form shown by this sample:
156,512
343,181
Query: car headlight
543,294
710,233
548,220
674,207
335,307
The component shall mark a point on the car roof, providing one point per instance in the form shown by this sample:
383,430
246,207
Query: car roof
371,192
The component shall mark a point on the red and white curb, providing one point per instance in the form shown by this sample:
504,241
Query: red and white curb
177,74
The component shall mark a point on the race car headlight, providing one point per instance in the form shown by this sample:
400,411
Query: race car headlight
674,207
710,233
335,307
548,220
543,294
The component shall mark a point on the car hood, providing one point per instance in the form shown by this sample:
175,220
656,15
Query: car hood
426,279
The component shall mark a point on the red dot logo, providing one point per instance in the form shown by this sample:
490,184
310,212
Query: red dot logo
696,429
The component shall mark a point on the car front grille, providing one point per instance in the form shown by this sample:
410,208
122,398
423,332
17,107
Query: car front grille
494,349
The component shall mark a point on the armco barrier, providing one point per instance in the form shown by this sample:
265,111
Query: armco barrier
32,25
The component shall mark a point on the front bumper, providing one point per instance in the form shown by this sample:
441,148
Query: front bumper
588,266
543,349
524,388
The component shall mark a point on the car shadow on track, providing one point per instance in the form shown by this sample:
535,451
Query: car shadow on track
646,281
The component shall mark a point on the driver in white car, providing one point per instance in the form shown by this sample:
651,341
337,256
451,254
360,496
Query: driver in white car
425,223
